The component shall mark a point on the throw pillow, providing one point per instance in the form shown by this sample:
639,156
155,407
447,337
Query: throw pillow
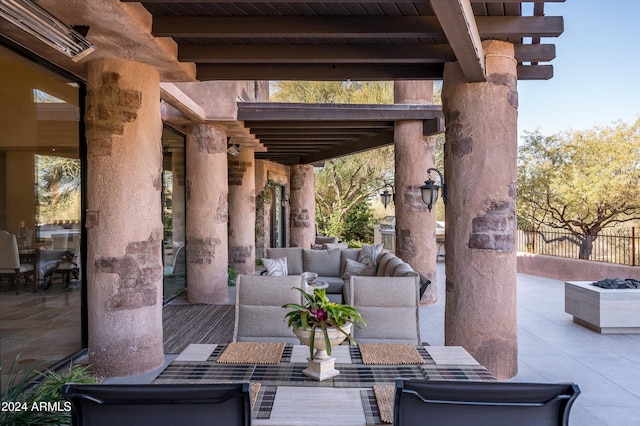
352,267
369,253
276,267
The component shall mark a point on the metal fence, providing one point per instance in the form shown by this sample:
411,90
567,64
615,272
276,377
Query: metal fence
614,247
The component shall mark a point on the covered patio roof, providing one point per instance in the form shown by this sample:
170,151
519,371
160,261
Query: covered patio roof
312,133
357,39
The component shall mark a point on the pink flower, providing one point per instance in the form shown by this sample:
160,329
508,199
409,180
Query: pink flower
319,314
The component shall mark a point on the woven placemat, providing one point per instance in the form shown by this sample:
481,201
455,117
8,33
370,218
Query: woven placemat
389,353
252,353
385,395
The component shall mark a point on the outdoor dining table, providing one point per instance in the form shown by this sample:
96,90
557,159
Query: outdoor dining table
282,395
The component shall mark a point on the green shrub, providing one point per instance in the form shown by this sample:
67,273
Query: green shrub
54,409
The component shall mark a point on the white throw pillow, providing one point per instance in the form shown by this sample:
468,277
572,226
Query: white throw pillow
276,267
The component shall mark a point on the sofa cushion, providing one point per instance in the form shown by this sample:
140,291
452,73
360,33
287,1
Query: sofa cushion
347,254
405,270
335,284
391,266
322,262
293,255
276,267
383,260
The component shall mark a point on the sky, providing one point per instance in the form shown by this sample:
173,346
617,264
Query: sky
596,70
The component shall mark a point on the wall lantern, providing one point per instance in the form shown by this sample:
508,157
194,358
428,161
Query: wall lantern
45,27
430,189
233,148
386,197
284,198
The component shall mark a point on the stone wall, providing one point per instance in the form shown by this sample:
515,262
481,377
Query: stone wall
566,269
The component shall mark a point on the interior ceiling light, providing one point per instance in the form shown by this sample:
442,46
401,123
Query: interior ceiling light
46,28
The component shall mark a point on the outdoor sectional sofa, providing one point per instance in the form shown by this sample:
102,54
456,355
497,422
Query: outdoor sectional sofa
388,300
330,265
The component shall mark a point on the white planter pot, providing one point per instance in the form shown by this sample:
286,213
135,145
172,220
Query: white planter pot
335,338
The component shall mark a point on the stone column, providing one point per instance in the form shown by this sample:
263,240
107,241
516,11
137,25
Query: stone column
302,211
207,212
480,165
242,212
415,153
124,224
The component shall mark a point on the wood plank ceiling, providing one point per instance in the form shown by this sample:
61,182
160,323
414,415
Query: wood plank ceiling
357,39
341,40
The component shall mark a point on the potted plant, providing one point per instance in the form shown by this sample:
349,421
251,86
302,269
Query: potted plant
319,318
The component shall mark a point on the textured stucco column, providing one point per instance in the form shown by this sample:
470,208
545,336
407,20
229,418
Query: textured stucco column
124,226
480,165
302,212
207,212
415,153
242,212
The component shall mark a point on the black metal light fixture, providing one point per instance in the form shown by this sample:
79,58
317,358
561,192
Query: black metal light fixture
386,197
430,189
233,148
284,198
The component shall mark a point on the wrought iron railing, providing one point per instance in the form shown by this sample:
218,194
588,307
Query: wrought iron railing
622,247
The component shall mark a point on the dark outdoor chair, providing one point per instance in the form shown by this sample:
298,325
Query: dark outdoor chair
439,402
156,405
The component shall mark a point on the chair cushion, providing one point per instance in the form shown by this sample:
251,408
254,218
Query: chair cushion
259,311
276,267
293,255
389,306
324,240
322,262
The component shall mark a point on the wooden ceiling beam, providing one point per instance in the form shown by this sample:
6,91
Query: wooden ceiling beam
535,52
284,111
361,145
320,54
214,27
517,26
259,125
459,25
320,72
340,132
535,72
283,54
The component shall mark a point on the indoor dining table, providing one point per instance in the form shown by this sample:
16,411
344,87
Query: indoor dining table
362,394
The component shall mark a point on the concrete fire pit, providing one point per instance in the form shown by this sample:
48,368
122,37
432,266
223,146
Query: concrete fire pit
603,310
